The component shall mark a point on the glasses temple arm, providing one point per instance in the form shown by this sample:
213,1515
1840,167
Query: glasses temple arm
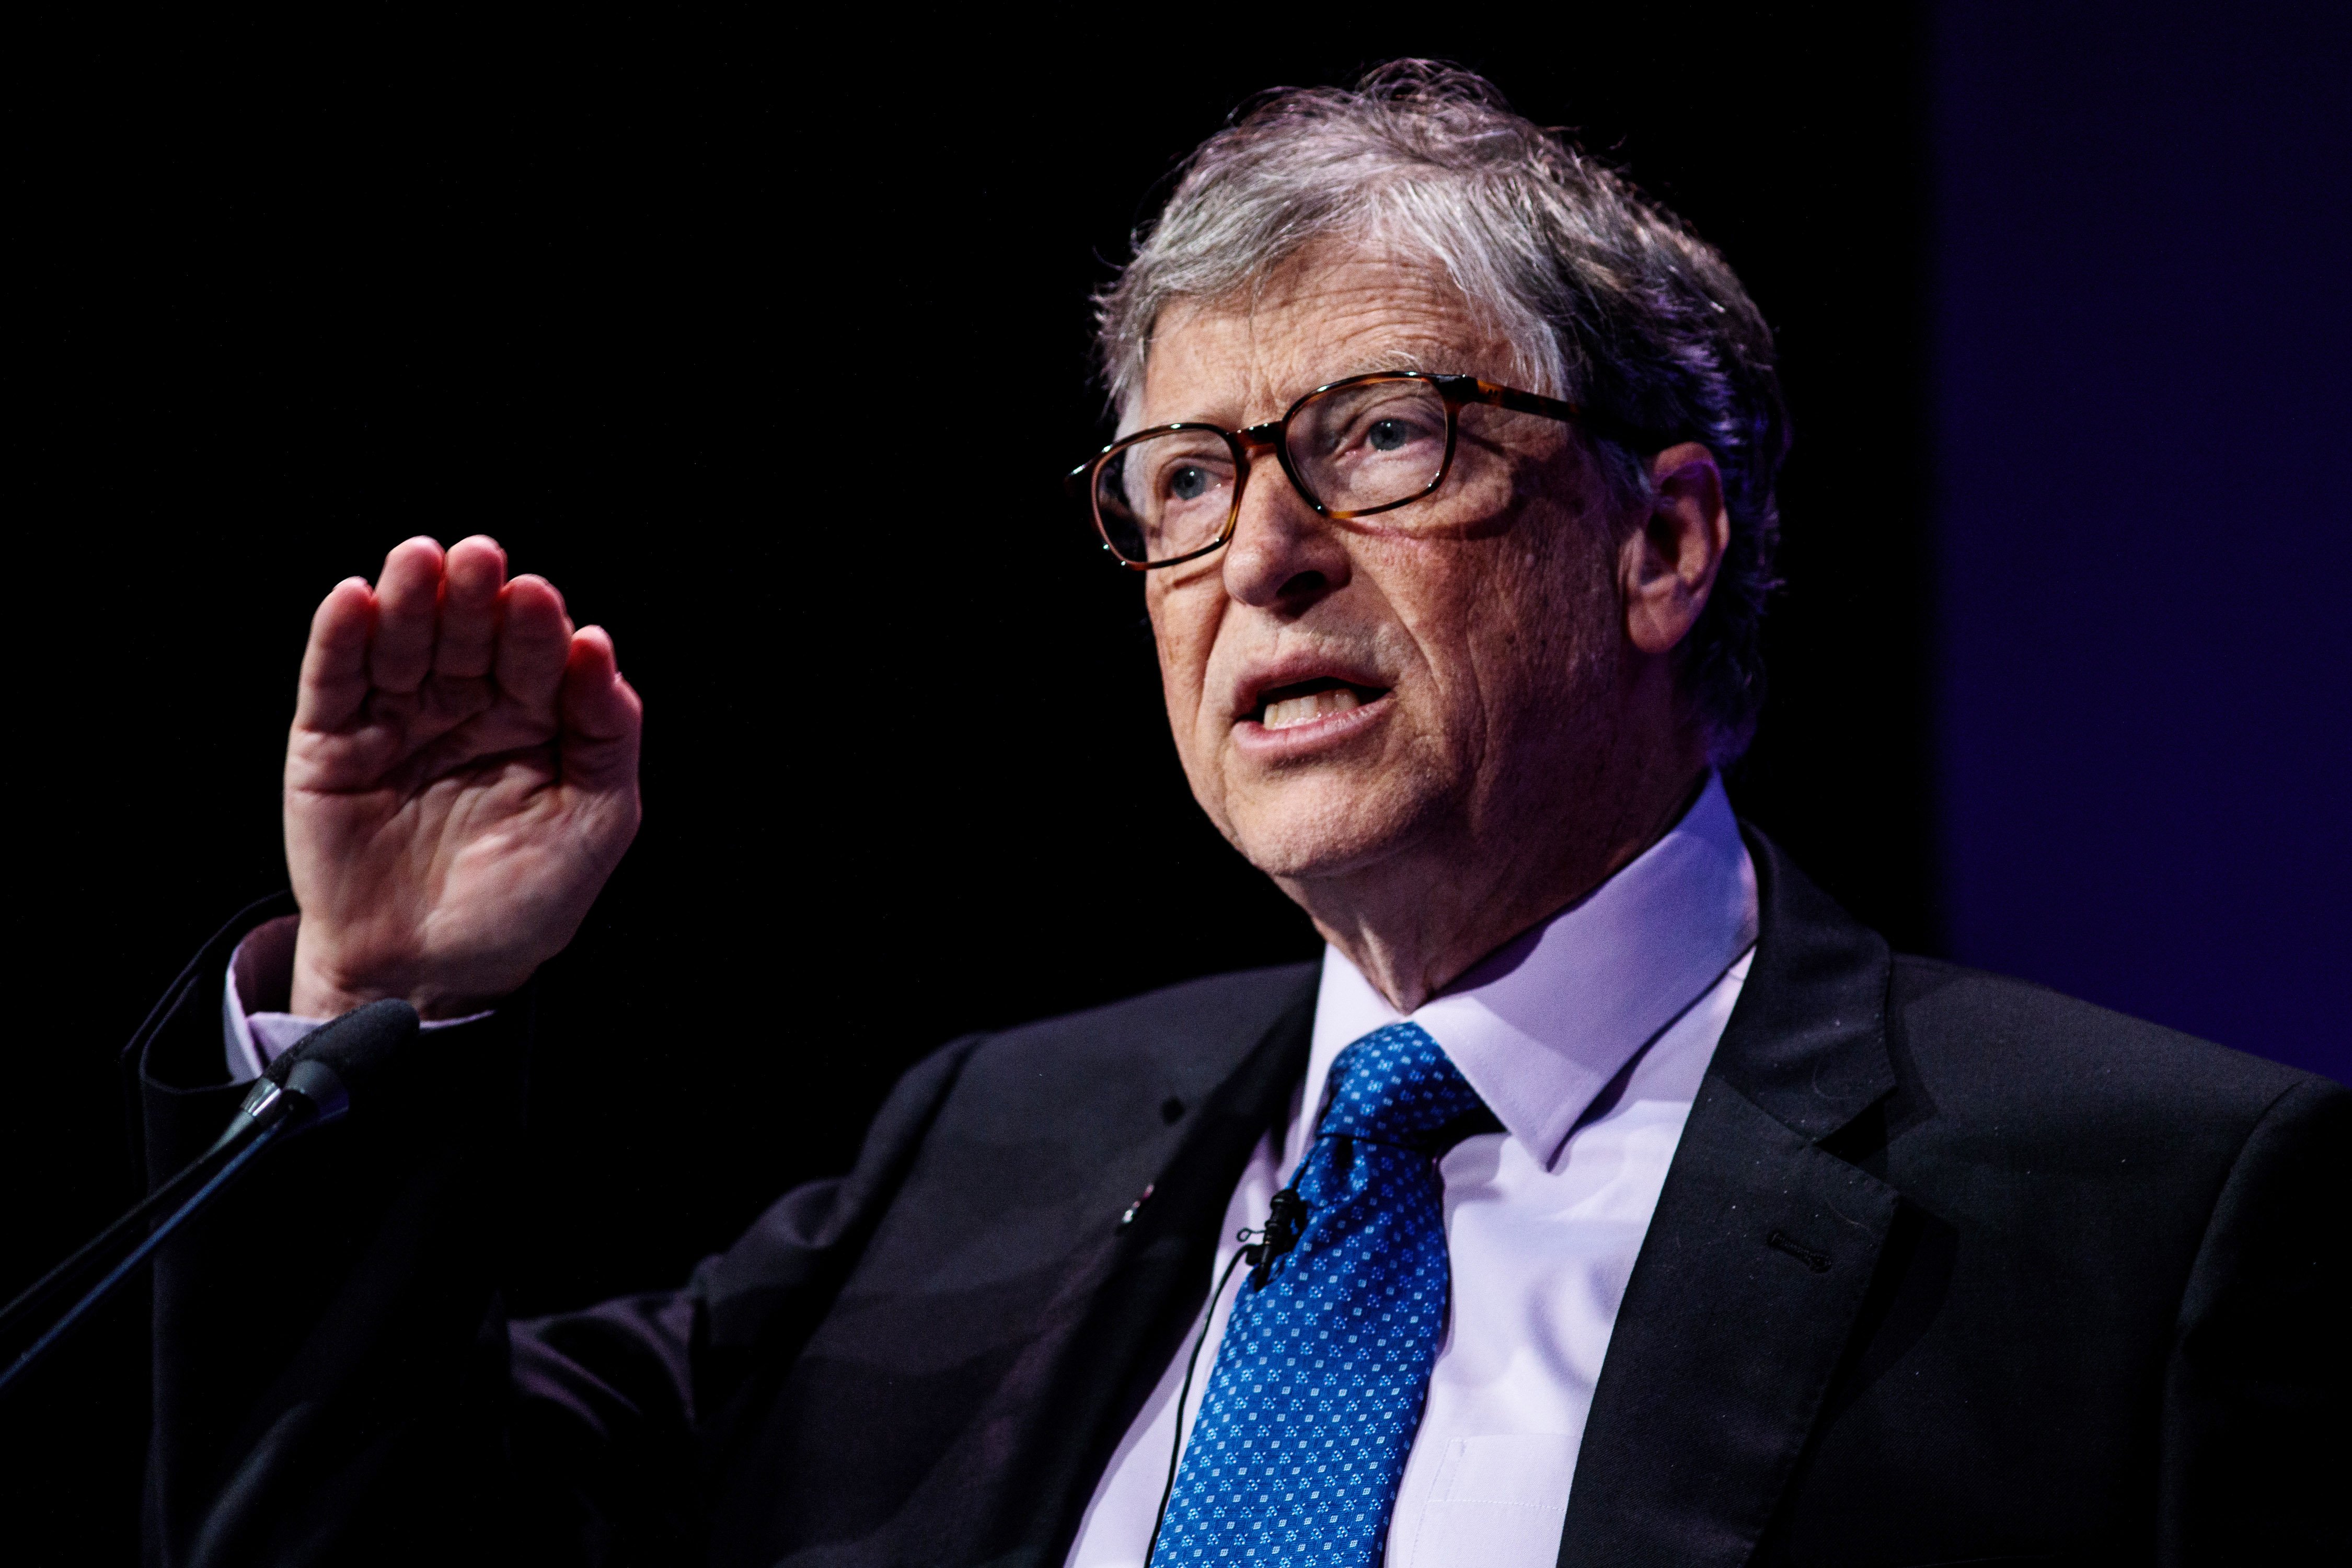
1499,397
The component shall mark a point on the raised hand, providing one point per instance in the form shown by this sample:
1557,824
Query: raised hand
461,780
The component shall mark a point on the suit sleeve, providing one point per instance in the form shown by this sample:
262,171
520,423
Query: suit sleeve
336,1379
2258,1405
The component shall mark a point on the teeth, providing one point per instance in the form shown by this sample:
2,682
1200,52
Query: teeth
1314,705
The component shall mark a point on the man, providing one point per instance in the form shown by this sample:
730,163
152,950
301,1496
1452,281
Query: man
1610,1195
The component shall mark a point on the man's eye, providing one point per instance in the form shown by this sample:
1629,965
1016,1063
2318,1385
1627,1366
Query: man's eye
1188,483
1389,434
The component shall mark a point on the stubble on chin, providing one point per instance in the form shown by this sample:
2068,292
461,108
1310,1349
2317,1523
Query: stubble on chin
1329,820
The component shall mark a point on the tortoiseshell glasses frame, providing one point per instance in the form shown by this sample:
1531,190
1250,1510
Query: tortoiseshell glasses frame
1087,481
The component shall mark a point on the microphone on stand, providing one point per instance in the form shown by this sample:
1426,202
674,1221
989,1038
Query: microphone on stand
310,1086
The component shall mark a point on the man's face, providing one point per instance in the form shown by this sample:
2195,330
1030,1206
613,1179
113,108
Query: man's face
1426,679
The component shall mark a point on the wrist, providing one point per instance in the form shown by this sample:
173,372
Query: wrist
322,988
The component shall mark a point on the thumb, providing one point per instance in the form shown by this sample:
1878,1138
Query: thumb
601,717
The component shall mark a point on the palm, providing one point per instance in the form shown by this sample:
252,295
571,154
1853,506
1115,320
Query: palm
461,780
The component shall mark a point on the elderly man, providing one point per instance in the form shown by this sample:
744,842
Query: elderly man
1605,1195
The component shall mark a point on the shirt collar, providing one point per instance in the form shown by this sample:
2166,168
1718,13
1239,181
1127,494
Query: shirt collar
1541,1024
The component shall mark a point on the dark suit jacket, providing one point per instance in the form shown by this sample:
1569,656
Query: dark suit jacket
1947,1268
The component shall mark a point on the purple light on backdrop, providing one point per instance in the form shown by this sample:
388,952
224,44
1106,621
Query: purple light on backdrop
2144,367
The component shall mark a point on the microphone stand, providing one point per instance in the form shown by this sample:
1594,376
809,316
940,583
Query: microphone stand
312,1095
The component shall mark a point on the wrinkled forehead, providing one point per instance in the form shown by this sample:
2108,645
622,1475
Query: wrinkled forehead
1243,359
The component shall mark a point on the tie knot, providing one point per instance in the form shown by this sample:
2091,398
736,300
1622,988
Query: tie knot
1396,1085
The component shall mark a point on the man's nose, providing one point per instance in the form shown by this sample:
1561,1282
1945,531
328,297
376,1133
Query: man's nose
1284,554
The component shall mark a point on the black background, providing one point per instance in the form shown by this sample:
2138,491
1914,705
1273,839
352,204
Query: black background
769,347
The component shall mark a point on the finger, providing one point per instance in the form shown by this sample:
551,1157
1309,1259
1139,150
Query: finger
408,601
534,640
333,685
603,716
475,572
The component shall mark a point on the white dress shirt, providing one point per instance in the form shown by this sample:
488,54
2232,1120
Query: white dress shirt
1587,1038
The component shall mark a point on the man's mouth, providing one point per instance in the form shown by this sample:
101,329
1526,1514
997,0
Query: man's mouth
1301,702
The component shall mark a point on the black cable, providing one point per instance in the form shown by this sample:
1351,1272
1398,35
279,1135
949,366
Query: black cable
220,1178
1176,1448
259,1111
116,1238
308,1087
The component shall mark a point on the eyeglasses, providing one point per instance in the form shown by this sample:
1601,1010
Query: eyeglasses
1366,445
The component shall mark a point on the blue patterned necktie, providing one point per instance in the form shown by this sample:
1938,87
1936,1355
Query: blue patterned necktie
1320,1382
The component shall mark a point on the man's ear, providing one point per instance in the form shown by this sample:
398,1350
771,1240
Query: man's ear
1670,559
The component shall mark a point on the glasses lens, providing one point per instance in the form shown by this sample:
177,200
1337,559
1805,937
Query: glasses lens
1165,495
1369,444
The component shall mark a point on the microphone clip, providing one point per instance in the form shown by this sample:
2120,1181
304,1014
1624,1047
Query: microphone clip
1286,1220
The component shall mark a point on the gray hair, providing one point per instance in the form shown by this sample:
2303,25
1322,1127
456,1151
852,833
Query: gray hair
1607,299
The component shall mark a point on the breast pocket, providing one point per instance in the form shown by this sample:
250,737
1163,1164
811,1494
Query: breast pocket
1498,1503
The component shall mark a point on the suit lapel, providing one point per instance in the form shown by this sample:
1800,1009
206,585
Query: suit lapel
1757,1261
1002,1327
1138,1291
